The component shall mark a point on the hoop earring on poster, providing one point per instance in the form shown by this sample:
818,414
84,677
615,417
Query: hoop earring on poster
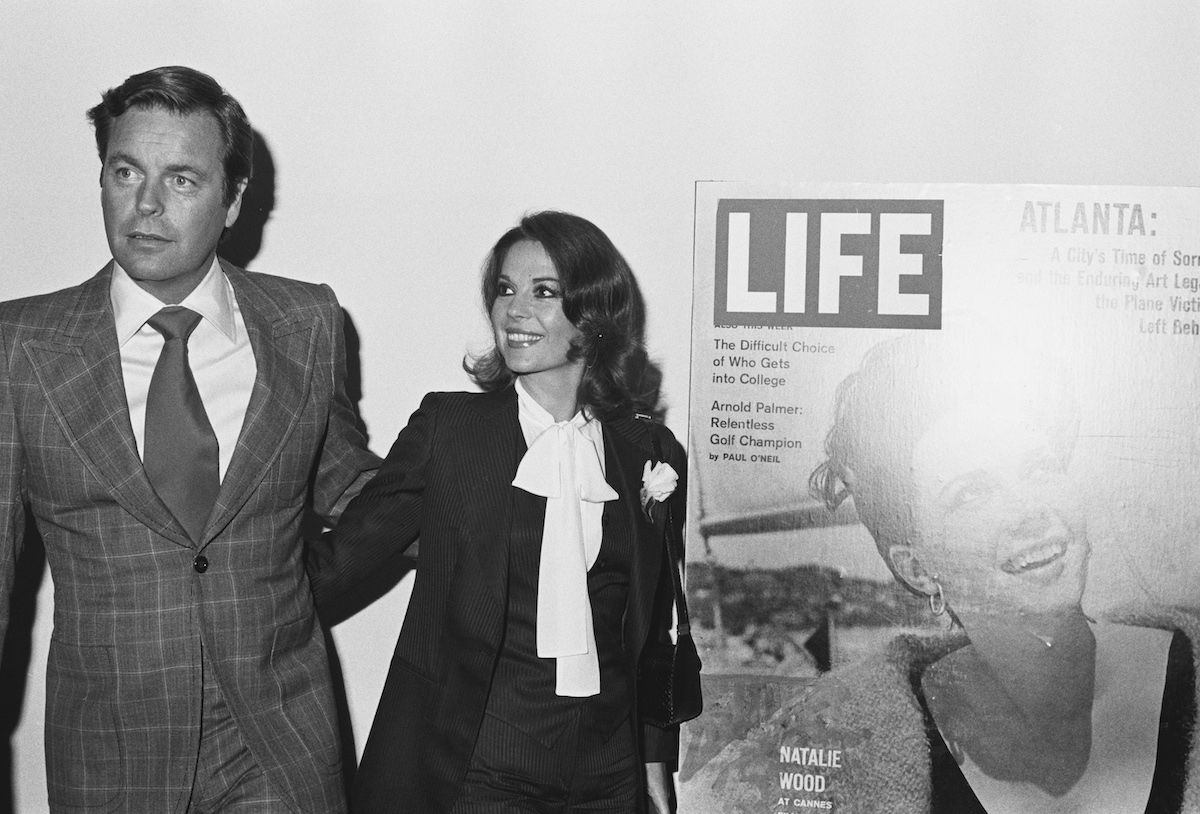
937,599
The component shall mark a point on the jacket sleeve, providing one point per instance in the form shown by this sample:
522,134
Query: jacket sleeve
12,488
381,523
661,745
345,463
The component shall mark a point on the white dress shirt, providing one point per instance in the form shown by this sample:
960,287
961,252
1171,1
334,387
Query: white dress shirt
219,353
535,419
564,463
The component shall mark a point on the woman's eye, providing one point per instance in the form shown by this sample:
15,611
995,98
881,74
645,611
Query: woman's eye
967,493
504,290
546,292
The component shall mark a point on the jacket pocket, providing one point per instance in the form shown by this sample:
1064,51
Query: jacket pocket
85,760
301,671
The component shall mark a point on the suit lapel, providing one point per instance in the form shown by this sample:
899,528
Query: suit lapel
79,371
625,457
284,346
486,449
495,446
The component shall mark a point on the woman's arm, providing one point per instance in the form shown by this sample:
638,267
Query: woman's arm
660,789
661,744
381,523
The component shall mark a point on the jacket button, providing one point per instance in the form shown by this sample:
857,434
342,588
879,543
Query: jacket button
200,563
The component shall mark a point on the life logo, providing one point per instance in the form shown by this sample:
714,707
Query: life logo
839,263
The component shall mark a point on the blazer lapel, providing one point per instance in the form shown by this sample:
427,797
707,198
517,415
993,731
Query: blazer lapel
79,371
625,459
494,449
487,453
284,346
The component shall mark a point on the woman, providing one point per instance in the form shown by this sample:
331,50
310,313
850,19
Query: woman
542,566
955,454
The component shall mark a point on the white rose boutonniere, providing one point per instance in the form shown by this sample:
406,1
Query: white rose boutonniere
658,484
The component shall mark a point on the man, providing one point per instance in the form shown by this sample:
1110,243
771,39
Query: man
166,454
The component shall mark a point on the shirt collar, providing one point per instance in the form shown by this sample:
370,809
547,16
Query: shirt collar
536,419
132,305
538,416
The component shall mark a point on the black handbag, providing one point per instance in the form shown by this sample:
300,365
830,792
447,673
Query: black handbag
669,672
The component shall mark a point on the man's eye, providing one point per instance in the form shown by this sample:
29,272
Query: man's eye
124,173
181,182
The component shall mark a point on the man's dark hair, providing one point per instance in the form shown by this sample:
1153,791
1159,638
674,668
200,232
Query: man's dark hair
182,90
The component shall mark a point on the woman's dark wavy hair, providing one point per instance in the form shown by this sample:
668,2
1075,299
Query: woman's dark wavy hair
182,90
600,298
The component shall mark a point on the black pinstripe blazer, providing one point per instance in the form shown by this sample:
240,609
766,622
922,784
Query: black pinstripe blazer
448,479
130,608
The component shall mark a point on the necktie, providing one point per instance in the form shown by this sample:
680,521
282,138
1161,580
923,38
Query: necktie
563,466
180,457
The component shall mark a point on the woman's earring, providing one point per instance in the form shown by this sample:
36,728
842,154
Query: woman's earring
937,599
595,352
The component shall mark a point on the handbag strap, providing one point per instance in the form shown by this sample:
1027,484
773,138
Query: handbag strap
683,626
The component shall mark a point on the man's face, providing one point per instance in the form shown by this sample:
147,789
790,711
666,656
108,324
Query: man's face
163,197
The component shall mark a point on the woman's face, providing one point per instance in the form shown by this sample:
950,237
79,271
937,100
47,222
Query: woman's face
532,332
1001,527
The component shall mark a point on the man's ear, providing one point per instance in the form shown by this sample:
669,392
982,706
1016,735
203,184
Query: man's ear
907,567
235,208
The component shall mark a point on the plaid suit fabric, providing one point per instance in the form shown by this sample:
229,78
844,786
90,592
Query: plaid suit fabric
448,478
130,608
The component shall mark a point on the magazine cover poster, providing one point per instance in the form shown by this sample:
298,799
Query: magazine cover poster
944,499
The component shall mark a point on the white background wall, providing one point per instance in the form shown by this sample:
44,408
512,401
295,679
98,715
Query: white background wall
407,136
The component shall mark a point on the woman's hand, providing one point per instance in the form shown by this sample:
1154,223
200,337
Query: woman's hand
659,788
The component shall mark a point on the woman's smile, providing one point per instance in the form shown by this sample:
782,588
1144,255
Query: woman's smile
517,339
1036,558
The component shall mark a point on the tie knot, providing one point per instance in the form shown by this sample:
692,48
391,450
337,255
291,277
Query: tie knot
175,322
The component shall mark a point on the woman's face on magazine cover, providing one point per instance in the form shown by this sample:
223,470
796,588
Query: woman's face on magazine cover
1001,525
